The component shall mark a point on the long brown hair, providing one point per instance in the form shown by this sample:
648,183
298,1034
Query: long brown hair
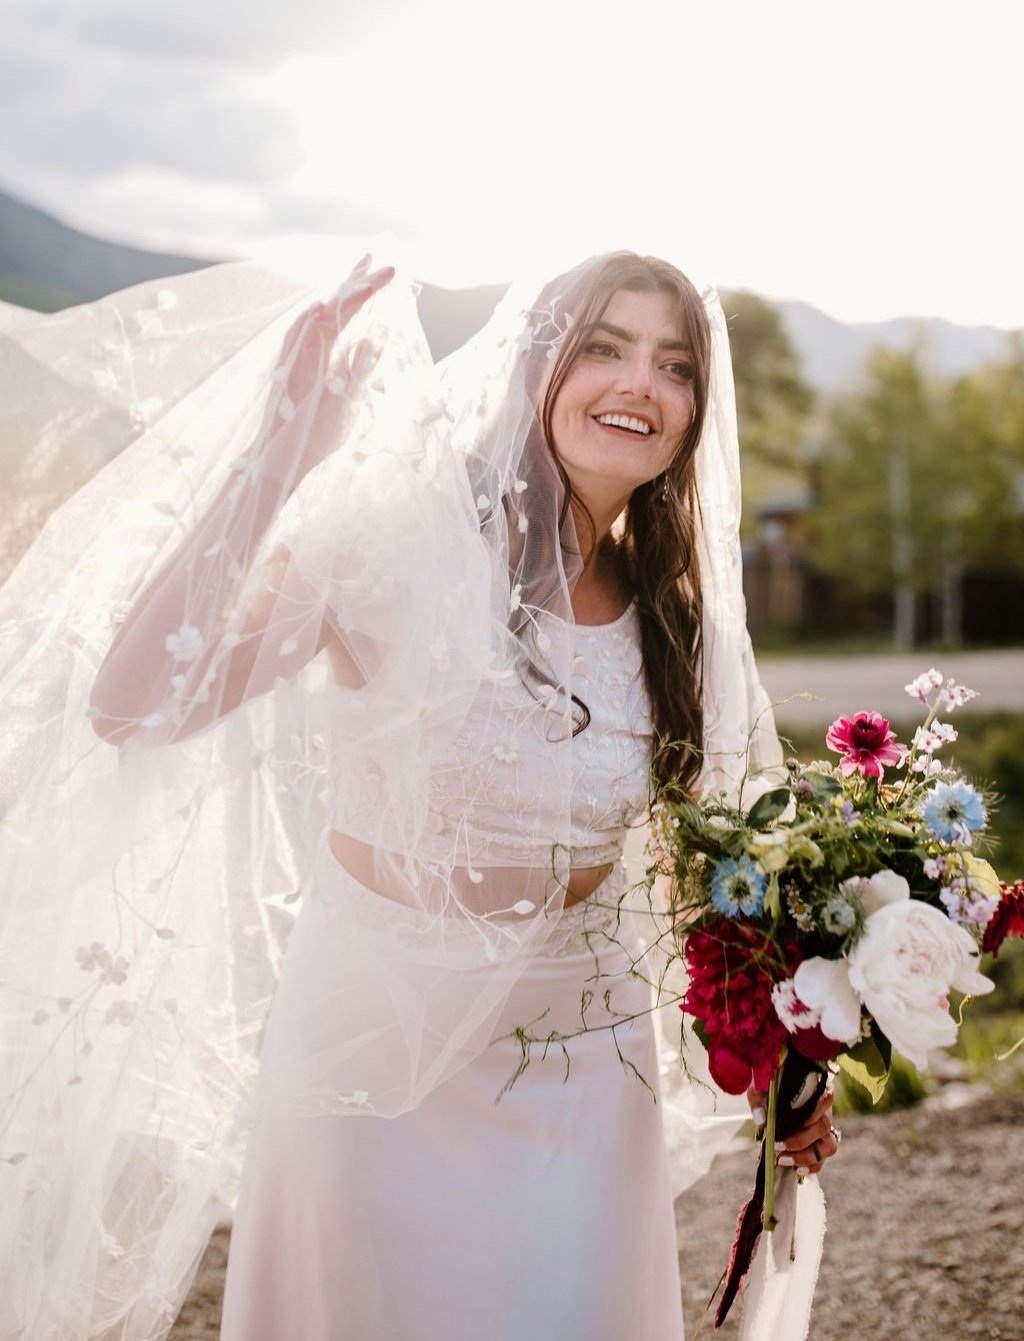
658,543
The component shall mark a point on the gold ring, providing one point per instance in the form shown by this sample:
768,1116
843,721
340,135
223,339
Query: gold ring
836,1135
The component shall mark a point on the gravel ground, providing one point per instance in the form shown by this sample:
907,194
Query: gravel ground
926,1219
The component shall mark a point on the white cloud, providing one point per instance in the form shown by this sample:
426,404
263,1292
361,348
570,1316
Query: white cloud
861,159
251,32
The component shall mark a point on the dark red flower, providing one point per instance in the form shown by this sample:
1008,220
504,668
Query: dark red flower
1008,918
814,1044
733,967
866,743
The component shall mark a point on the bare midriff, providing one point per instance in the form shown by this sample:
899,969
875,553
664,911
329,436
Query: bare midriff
360,860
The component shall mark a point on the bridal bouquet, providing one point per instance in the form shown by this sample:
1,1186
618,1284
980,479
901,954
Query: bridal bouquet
828,924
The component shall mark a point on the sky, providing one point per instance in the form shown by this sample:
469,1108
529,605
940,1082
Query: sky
862,157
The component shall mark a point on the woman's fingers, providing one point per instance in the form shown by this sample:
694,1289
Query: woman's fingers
816,1141
812,1159
356,291
758,1101
306,351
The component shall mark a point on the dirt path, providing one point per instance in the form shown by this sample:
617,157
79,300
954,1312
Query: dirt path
926,1222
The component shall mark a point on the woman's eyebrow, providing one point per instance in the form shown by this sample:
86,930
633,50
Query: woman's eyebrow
630,338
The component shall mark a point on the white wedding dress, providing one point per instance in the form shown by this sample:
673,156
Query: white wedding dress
547,1215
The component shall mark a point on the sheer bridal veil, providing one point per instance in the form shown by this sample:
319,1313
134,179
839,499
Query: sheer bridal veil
247,484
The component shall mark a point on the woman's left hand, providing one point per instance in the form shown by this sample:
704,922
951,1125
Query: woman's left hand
807,1149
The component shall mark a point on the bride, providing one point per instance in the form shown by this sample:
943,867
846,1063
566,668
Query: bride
405,648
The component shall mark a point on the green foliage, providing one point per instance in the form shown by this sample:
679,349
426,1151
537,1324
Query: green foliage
772,399
38,297
865,1064
985,1046
768,807
904,1087
918,475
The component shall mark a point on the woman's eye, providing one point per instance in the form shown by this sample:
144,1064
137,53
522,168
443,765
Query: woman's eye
683,370
601,347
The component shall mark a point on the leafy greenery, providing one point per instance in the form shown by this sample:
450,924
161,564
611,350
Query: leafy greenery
773,401
918,480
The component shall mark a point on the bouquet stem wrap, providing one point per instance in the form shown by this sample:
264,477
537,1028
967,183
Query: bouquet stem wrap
800,1084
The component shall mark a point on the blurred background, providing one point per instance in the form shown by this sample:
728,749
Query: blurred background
847,176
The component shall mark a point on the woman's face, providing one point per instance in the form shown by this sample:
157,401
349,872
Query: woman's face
628,399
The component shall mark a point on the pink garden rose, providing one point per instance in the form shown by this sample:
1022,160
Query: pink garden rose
867,744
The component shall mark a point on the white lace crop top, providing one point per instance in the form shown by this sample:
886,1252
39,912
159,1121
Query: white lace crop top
489,792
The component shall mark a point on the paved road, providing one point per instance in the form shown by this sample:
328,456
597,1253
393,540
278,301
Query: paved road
844,685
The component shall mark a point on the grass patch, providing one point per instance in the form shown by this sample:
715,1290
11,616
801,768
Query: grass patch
983,1044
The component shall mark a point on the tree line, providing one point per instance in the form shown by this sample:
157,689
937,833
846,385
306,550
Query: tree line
911,481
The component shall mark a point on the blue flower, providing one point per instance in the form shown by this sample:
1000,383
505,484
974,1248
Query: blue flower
738,887
952,811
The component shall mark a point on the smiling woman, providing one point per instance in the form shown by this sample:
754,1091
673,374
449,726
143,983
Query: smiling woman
399,648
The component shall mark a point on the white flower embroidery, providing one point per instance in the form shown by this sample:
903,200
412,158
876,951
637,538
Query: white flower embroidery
506,750
122,1011
97,958
186,644
248,469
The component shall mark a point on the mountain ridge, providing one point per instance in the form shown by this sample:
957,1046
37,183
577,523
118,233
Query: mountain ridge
47,265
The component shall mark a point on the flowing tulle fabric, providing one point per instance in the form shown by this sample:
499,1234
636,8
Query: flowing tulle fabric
169,776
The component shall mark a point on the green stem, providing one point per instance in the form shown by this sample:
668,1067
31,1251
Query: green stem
768,1220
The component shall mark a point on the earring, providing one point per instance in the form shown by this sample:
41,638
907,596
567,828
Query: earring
664,487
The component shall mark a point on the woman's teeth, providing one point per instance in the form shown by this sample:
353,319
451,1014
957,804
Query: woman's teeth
624,421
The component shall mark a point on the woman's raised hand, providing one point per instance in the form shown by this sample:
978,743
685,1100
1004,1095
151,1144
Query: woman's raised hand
317,382
317,329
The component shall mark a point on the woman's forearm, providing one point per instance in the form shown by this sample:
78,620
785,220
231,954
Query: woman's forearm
193,592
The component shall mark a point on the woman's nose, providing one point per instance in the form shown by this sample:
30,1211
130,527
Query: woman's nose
635,376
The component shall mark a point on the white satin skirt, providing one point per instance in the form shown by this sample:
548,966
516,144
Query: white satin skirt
545,1216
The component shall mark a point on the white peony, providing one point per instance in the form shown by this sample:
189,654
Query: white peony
823,985
875,891
902,969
